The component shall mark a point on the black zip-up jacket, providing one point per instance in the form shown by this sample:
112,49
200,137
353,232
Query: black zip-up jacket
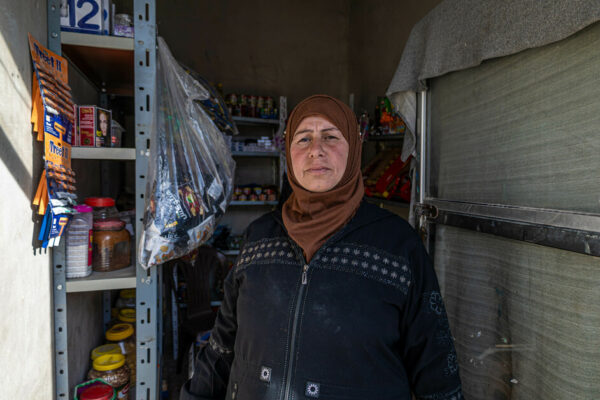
363,320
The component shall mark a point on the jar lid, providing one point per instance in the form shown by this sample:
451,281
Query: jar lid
127,315
119,332
109,362
100,202
99,391
111,348
83,208
127,293
109,225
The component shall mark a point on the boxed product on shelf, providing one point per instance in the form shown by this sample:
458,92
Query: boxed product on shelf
94,123
90,16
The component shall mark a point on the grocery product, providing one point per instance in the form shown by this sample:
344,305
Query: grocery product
122,335
110,348
79,243
94,389
112,369
111,248
126,299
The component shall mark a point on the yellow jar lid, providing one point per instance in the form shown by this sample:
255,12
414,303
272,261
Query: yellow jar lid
127,293
109,362
111,348
127,315
119,332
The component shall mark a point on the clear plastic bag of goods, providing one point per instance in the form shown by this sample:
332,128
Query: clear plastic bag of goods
190,170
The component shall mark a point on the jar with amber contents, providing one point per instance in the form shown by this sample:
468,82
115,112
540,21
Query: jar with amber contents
122,334
113,369
110,246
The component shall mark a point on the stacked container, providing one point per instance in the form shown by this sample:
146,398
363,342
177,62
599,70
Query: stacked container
79,243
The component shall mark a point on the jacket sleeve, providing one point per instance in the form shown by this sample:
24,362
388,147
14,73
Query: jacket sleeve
213,363
428,346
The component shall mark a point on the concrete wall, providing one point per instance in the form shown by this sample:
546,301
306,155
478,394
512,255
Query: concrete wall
26,369
378,32
263,47
296,49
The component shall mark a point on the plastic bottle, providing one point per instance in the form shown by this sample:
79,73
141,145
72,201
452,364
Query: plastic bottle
79,243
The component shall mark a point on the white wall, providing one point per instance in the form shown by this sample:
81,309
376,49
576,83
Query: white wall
26,366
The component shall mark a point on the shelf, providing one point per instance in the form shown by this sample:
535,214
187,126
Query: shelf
384,138
106,60
103,153
119,279
255,153
230,252
255,121
386,203
253,203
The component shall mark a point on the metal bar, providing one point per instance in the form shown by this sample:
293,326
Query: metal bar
54,26
59,286
106,308
562,238
146,288
61,359
422,132
577,221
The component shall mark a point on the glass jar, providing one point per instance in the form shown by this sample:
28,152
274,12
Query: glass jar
126,299
122,334
113,369
79,243
103,208
110,246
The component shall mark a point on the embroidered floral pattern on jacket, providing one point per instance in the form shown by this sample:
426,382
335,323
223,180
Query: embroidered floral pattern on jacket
367,261
312,390
266,251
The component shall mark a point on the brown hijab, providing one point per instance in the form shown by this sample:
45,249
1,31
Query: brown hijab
309,217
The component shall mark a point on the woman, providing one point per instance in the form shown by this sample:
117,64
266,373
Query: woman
331,297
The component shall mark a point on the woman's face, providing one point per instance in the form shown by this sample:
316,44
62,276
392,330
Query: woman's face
319,154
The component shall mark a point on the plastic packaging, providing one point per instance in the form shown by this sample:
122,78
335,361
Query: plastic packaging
123,335
190,177
79,243
112,369
95,389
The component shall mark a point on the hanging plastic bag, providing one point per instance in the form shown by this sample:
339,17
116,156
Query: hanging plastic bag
190,171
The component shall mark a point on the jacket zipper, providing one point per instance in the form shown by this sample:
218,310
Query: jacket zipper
300,256
288,375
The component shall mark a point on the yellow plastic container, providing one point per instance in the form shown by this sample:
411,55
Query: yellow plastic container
127,315
122,335
111,348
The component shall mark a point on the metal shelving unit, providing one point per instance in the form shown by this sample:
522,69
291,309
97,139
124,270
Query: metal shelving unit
255,153
103,153
255,121
116,66
120,279
253,203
